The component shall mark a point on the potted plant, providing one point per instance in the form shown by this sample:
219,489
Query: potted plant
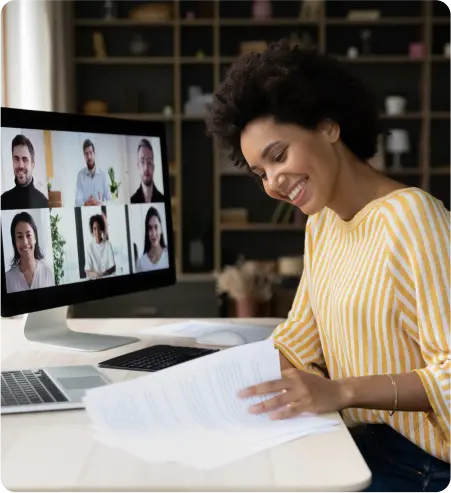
114,185
58,243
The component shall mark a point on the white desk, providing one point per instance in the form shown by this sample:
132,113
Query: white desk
56,451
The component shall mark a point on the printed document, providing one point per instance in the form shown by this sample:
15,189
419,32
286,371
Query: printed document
190,413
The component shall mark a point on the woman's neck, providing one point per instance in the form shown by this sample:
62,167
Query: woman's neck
155,252
358,184
27,265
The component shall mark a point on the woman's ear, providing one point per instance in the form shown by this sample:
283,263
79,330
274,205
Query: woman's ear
330,130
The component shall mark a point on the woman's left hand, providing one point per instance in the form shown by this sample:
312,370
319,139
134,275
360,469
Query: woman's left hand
298,392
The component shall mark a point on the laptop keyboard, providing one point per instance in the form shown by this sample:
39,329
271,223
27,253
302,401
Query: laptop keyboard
29,387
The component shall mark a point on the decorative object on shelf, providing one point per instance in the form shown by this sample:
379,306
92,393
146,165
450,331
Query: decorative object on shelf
312,10
196,253
446,50
365,38
252,47
152,12
352,52
168,111
200,54
363,15
98,44
395,105
58,243
248,283
197,104
236,215
109,9
93,107
261,9
378,160
398,144
138,47
416,50
114,185
290,266
190,15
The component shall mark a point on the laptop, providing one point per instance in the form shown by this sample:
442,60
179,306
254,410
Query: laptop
48,389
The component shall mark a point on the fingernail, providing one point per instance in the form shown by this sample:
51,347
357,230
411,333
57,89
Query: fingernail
243,393
273,415
254,409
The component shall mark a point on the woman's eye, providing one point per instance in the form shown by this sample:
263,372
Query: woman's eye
279,158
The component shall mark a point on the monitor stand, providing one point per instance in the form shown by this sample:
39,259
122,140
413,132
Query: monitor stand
50,327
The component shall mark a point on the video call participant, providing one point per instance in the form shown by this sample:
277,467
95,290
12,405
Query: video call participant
155,254
147,191
99,253
92,182
28,269
24,195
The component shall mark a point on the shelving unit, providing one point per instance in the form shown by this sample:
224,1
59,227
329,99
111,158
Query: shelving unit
162,77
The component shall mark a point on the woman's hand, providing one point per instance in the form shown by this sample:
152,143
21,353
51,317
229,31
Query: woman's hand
298,392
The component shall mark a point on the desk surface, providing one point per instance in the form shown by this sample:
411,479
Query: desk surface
56,450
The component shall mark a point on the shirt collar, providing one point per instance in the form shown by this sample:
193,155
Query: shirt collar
88,173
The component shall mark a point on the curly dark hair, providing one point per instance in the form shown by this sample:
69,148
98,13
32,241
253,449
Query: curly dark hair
293,86
97,218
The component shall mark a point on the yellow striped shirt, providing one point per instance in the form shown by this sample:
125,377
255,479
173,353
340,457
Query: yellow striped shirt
374,298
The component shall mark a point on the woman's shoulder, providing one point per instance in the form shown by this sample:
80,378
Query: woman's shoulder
44,267
12,271
413,205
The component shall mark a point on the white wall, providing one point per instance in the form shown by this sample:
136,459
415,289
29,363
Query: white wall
137,216
42,219
132,160
117,233
68,232
68,160
39,173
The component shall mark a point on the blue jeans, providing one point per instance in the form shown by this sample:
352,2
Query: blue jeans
396,463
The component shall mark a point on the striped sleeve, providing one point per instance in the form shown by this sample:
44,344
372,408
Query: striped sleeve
420,235
298,337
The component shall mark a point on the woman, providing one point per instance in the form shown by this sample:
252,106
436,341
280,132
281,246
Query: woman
368,333
28,269
155,254
99,254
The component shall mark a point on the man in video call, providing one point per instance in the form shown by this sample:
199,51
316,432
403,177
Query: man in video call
147,191
92,182
24,195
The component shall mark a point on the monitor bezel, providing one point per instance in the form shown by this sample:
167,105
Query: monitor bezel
85,291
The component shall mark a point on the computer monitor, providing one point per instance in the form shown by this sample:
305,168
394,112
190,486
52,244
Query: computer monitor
85,215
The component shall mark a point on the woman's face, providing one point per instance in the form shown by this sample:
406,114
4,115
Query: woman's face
154,231
296,165
25,240
97,232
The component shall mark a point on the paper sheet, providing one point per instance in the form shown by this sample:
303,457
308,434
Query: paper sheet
191,414
196,328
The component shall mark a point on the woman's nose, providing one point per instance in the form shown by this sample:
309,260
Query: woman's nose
276,181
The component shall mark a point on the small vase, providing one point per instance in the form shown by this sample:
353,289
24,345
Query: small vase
245,308
261,9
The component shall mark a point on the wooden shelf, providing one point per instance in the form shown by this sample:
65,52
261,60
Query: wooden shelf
183,71
383,21
380,59
413,115
126,60
442,170
261,227
120,23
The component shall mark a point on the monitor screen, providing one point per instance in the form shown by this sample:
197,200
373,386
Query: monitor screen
85,209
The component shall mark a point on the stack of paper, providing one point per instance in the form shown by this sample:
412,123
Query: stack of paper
191,413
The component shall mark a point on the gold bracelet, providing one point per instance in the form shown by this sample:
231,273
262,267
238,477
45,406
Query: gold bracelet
395,407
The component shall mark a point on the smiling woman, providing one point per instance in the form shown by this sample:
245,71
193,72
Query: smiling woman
364,335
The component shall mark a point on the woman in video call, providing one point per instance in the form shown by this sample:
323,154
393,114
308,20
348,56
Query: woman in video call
155,254
28,269
99,253
368,332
